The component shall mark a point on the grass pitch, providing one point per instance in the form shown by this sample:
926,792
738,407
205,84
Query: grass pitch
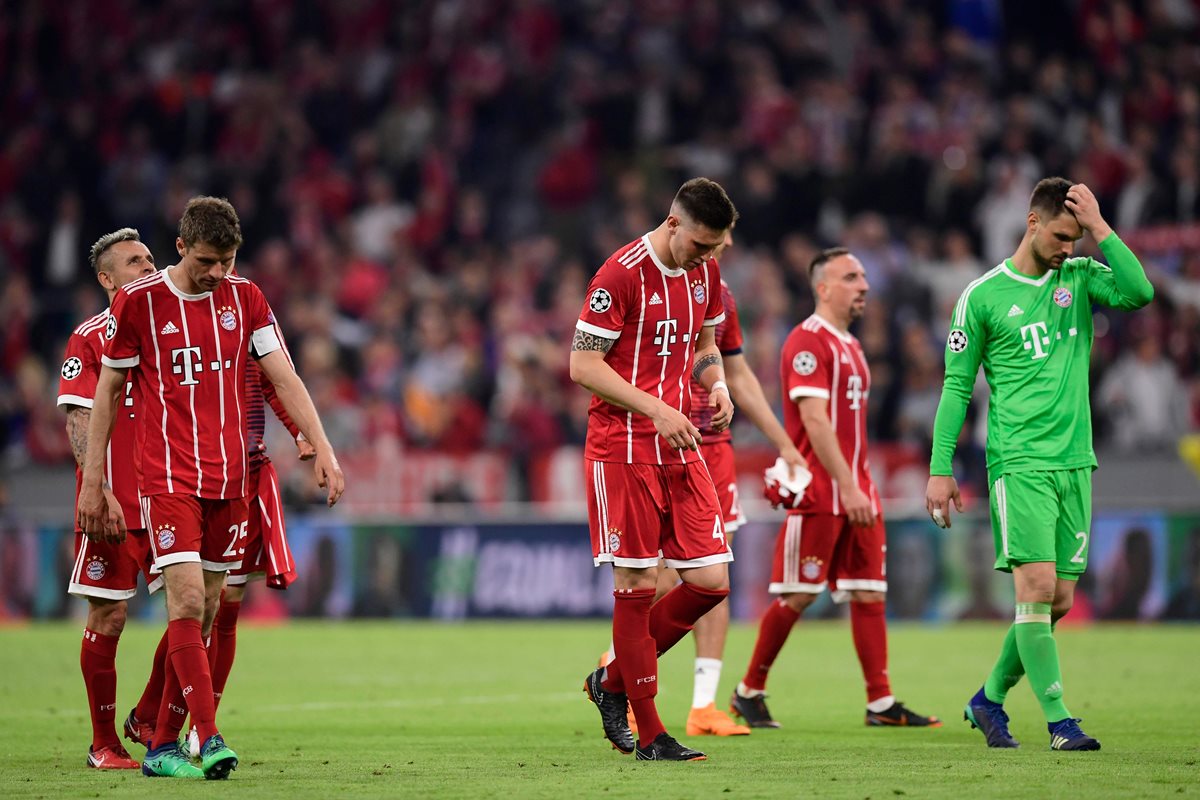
494,710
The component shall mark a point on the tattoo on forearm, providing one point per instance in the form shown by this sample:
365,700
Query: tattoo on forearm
703,364
77,431
589,341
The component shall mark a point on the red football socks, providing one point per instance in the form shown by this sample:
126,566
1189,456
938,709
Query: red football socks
224,637
773,631
635,669
147,707
674,615
188,680
869,627
98,662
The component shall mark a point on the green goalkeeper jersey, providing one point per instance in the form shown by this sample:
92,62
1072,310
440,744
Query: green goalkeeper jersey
1034,339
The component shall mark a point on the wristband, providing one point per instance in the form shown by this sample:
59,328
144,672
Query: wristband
718,386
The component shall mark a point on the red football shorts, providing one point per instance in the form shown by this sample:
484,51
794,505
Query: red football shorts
638,513
188,528
109,571
815,550
721,466
265,514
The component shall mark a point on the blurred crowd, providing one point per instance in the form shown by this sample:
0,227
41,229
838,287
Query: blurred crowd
426,186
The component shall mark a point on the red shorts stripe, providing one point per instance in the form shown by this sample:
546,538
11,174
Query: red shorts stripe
265,519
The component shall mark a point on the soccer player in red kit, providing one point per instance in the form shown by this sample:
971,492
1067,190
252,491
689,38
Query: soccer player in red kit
834,534
710,631
187,332
105,571
266,555
648,321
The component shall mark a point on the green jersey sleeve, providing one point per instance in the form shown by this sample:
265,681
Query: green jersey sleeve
964,351
1122,284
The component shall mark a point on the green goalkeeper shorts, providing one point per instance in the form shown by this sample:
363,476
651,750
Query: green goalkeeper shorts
1043,516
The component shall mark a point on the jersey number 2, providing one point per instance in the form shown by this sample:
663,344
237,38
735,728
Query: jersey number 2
1078,557
238,533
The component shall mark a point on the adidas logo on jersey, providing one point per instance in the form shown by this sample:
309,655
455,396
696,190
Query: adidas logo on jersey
168,328
1015,311
656,300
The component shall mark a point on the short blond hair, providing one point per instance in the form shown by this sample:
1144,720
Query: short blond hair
96,254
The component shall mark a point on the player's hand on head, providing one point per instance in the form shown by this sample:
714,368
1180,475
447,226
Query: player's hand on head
723,404
676,429
941,491
1083,204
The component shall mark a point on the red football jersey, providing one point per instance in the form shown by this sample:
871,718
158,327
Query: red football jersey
77,387
189,354
729,341
655,315
818,360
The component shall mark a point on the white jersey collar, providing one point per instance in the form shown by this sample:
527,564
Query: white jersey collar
663,268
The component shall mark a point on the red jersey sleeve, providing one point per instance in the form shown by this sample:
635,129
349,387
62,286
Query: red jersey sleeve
806,366
123,335
714,312
80,370
729,332
268,390
607,302
265,335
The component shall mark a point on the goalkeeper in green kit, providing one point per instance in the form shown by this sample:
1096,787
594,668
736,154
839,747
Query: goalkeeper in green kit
1028,321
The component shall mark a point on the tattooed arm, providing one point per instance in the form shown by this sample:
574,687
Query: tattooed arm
78,418
709,371
592,372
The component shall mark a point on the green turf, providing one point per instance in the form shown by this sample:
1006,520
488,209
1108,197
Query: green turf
332,710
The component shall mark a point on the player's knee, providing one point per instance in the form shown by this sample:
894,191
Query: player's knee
188,603
867,597
798,601
1060,608
233,594
108,619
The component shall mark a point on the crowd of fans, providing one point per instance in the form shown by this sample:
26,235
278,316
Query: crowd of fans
426,186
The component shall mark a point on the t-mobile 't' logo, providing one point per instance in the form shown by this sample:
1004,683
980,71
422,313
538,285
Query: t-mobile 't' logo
1036,339
186,362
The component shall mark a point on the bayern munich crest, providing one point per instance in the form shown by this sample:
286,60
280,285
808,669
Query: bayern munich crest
166,537
614,540
600,301
957,341
1062,296
811,568
228,319
95,569
698,292
71,368
805,363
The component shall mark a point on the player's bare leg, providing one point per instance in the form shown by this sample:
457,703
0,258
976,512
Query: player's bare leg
97,661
